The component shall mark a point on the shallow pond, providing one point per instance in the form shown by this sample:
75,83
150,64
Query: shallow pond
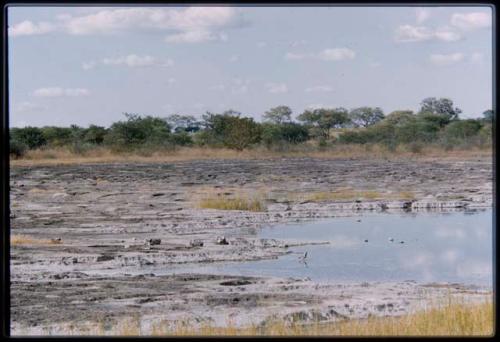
423,247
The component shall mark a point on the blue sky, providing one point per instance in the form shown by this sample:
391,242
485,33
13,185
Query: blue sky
83,65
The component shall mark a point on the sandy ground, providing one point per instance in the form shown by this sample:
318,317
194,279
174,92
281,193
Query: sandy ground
103,214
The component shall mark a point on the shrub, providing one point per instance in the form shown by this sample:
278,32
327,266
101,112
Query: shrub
32,137
57,136
17,149
287,133
137,131
181,139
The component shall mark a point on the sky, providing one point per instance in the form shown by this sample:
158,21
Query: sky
89,65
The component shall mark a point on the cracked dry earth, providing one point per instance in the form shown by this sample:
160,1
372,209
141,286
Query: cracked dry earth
102,270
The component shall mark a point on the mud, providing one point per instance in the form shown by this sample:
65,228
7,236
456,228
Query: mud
103,269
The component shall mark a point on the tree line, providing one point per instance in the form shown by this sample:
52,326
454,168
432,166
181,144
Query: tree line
436,122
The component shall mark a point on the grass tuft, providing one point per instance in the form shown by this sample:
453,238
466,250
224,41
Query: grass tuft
450,319
350,195
18,239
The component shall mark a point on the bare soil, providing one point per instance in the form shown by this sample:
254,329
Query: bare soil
105,213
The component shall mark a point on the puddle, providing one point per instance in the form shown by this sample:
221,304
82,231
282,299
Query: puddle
437,247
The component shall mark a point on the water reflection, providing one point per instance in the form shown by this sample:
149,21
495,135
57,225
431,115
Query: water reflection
452,247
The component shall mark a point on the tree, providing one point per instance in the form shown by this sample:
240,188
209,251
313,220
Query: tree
95,134
137,131
183,123
32,137
366,116
290,132
57,136
240,133
442,106
278,115
323,120
488,115
462,129
399,117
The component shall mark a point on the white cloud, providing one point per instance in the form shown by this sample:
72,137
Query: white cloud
59,92
130,61
171,81
27,107
28,28
195,37
447,35
333,54
471,21
186,25
295,56
317,106
336,54
409,33
422,14
137,61
261,44
88,65
234,58
441,60
319,88
277,88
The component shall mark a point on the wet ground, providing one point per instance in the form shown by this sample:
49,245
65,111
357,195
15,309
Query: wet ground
104,214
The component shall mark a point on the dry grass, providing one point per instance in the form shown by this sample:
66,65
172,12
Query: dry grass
19,239
56,156
228,199
451,319
349,195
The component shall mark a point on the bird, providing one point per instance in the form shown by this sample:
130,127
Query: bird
303,257
366,240
391,239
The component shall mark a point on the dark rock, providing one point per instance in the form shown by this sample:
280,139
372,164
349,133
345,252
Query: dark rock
152,242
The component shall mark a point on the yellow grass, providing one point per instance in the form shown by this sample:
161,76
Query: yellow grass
56,156
451,319
349,195
19,239
238,200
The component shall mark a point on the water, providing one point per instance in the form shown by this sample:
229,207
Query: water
438,247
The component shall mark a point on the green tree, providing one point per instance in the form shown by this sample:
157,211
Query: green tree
278,115
321,120
32,137
462,129
95,134
366,116
57,136
399,117
239,133
488,115
137,130
442,106
183,123
287,133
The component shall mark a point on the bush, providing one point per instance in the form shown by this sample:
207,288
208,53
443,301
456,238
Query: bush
229,130
17,149
57,136
137,131
281,134
94,135
181,139
32,137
